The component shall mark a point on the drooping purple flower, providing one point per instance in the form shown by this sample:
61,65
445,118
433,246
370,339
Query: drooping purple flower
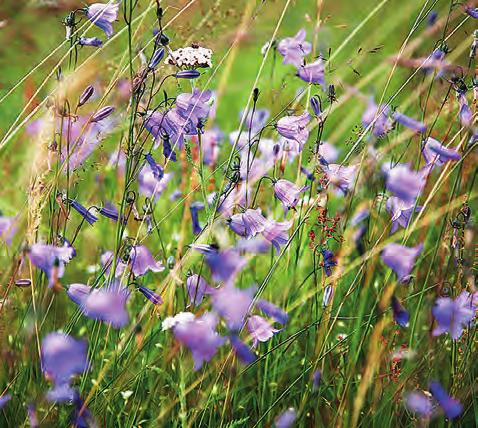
143,261
410,123
152,296
260,329
436,154
102,113
450,406
200,336
197,287
194,208
156,168
286,419
248,224
7,229
242,351
86,95
400,314
149,185
277,233
224,265
193,107
419,403
453,316
466,115
62,357
340,176
233,304
294,128
51,259
108,304
272,311
328,152
310,175
313,72
401,212
377,117
405,183
78,292
288,193
401,259
187,74
84,212
90,41
103,16
81,417
293,49
431,18
168,152
329,261
315,104
107,259
4,399
110,211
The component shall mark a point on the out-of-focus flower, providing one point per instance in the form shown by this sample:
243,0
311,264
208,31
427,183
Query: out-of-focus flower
200,336
272,311
316,377
233,304
197,287
328,152
248,224
419,403
7,229
107,259
193,106
257,245
180,317
400,314
466,115
294,128
276,233
260,329
288,193
286,419
313,72
340,176
4,399
401,212
450,406
377,117
108,304
293,49
410,123
453,316
142,261
255,122
224,265
51,259
436,154
431,18
242,351
401,259
149,185
90,41
153,297
103,16
405,183
62,357
329,261
78,292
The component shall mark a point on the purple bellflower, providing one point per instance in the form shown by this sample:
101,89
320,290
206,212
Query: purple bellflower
103,16
450,406
341,177
377,117
313,72
329,261
286,419
400,314
419,403
149,185
471,11
466,115
242,351
405,183
401,259
84,212
108,304
436,154
152,296
453,316
410,123
193,107
156,168
260,329
272,311
277,233
194,208
233,304
293,49
90,41
200,336
288,193
401,212
197,287
294,128
78,293
328,152
248,224
142,261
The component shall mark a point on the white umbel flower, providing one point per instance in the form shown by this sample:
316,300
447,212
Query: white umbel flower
192,56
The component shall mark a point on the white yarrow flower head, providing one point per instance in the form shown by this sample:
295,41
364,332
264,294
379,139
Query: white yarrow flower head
179,318
190,57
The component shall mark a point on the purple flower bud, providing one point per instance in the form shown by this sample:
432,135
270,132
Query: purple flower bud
328,293
102,113
86,95
187,74
471,11
151,295
315,104
156,58
400,314
110,212
413,124
90,41
194,208
329,261
85,213
288,193
156,168
432,17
